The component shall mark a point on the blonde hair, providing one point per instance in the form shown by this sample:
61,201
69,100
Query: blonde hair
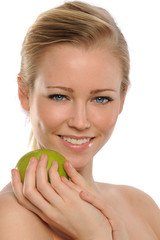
77,23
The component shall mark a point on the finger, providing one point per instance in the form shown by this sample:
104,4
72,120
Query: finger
70,184
108,211
29,187
58,185
75,176
54,177
17,187
116,221
30,174
42,168
88,197
43,186
98,203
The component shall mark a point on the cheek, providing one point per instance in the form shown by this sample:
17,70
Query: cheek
106,121
47,116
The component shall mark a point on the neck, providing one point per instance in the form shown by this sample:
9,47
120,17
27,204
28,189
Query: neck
86,172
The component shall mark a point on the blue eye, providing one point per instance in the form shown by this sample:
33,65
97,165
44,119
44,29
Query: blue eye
100,100
103,100
57,97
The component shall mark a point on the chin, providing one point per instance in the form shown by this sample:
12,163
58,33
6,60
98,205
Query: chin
79,160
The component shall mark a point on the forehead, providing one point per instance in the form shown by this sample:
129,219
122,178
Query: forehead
66,62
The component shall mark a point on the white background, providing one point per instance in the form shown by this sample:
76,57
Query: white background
132,155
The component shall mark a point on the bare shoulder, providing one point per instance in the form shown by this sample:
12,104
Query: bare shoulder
17,222
133,196
144,206
137,202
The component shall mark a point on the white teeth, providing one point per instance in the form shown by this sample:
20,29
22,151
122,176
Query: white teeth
76,141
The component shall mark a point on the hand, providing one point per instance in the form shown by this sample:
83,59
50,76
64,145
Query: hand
59,203
119,229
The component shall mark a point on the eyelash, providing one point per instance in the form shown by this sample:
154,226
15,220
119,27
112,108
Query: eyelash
99,100
56,96
104,99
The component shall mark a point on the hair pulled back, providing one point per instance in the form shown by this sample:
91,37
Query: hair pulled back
77,23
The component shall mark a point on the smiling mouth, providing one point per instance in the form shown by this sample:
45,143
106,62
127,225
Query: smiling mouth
76,141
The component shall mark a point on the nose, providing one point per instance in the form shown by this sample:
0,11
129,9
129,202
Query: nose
79,117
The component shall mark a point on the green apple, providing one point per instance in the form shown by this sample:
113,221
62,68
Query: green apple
52,156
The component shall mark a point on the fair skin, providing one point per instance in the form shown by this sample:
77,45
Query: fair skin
73,110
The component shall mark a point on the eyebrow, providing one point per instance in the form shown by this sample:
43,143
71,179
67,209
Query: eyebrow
102,90
92,92
63,88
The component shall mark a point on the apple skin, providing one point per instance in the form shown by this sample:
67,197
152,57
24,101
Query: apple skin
52,156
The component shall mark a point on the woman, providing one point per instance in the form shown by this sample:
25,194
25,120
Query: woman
73,82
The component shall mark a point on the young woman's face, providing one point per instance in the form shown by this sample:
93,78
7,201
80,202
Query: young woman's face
76,101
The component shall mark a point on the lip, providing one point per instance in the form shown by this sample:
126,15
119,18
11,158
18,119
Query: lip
76,147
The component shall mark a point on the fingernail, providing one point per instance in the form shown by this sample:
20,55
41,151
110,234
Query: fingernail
55,163
64,179
12,173
44,157
32,160
70,165
84,194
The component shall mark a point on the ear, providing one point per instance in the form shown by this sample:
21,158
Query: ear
23,94
123,97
